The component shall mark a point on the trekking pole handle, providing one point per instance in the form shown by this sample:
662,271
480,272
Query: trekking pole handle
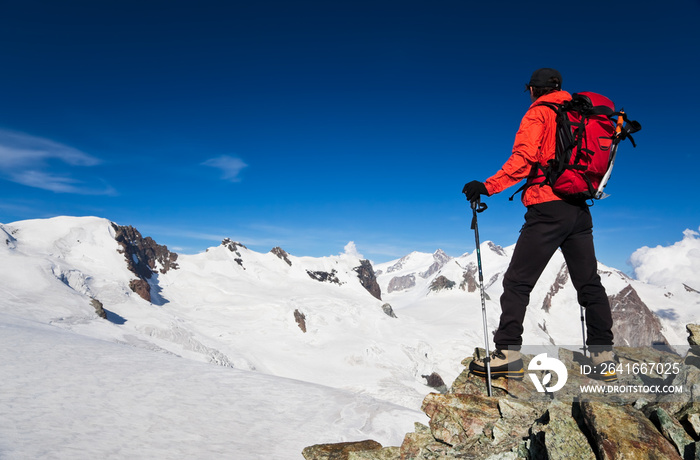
478,206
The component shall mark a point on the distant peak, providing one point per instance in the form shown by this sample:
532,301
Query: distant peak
495,248
232,245
441,257
282,254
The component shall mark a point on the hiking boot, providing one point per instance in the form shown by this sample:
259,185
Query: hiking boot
604,364
504,363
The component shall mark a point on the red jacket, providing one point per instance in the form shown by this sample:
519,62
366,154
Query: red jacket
534,143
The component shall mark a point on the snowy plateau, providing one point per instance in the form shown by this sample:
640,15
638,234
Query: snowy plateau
237,354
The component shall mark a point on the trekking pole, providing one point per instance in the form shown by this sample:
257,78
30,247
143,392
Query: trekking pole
583,331
477,207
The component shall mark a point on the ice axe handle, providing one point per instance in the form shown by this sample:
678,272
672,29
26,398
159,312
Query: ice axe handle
620,122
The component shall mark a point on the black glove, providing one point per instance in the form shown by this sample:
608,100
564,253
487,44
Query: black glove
474,190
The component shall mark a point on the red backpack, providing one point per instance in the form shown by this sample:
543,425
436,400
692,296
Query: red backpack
588,133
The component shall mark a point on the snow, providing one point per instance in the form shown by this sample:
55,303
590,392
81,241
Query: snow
67,396
217,366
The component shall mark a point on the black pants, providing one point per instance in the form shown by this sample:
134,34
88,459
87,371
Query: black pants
548,226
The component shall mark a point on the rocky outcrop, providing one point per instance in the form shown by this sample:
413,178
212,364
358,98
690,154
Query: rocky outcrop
401,283
634,324
233,246
340,451
621,431
99,308
398,265
558,285
440,259
368,279
300,318
144,257
10,240
282,254
440,283
496,248
694,335
330,277
433,380
142,288
469,282
386,308
518,422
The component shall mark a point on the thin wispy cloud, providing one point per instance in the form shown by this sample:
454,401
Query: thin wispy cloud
229,166
42,163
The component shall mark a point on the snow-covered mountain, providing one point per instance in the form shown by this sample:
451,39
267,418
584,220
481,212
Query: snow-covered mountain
343,327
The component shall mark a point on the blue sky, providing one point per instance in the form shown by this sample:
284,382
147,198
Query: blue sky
308,124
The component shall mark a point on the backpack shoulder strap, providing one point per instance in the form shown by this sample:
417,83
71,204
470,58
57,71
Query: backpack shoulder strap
542,170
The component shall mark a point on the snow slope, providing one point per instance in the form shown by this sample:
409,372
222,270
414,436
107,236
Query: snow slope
66,396
252,381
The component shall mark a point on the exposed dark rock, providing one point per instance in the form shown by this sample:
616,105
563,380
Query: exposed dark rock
239,261
324,276
300,318
461,419
385,453
434,268
143,257
469,282
400,283
694,334
557,435
421,444
142,288
282,254
339,451
689,289
672,430
99,308
435,381
233,246
440,260
440,283
496,248
692,421
368,279
398,265
620,431
10,241
386,308
634,324
559,283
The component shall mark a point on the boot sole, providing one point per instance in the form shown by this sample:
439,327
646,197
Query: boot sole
514,370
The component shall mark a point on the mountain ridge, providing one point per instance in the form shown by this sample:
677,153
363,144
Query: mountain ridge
236,307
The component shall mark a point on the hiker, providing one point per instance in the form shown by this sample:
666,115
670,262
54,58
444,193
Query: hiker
551,222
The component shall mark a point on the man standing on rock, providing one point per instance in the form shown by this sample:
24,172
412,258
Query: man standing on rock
550,223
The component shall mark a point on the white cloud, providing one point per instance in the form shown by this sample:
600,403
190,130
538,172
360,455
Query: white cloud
26,159
668,265
231,167
351,250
